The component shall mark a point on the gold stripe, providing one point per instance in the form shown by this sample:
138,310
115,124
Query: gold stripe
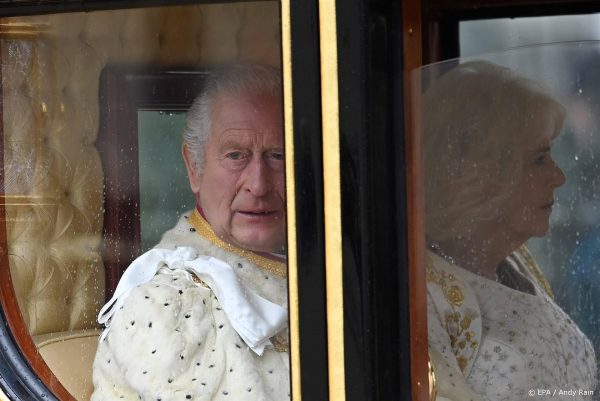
332,195
21,30
23,27
203,228
432,381
290,184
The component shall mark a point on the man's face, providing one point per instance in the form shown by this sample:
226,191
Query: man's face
241,186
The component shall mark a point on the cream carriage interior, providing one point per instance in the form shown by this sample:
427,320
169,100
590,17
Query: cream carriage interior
54,173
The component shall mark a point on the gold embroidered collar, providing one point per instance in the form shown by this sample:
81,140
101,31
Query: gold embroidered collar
204,229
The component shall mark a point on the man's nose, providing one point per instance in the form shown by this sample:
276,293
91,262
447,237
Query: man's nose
256,177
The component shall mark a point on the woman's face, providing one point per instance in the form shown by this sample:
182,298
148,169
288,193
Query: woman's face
528,213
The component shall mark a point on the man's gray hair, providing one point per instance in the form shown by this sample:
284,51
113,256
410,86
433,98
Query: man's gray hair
230,80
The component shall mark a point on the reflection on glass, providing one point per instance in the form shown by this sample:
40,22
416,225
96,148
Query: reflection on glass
495,329
569,254
159,144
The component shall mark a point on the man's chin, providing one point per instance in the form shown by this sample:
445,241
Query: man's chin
264,248
261,243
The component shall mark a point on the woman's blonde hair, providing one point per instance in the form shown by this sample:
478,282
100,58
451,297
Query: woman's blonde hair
476,120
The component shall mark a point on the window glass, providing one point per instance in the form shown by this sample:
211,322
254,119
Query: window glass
90,185
576,221
510,154
159,141
492,35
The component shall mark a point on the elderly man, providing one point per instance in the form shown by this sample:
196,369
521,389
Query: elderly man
203,316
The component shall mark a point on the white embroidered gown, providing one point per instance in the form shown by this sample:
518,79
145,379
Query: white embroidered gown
506,345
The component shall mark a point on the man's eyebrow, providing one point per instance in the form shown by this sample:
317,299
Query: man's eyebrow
228,138
231,141
240,130
544,149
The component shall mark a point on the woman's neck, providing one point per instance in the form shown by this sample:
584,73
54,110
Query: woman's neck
480,252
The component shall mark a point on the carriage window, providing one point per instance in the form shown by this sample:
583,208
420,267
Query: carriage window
492,35
95,106
510,147
566,254
159,141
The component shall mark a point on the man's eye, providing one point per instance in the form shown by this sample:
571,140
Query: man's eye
279,156
235,155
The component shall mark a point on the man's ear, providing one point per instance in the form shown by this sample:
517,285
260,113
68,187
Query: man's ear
190,165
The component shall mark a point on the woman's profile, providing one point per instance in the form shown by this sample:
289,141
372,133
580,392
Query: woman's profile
495,331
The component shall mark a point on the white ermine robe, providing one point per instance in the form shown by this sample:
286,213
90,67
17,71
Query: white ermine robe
173,341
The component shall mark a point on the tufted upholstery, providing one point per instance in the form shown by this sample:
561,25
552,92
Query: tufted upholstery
50,109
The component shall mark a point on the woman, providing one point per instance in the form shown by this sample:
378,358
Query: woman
489,187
